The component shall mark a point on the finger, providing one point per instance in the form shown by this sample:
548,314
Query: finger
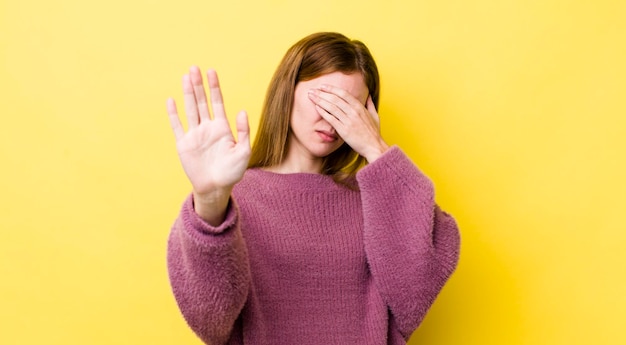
343,94
198,91
191,107
328,106
325,99
243,129
174,120
332,120
217,102
371,108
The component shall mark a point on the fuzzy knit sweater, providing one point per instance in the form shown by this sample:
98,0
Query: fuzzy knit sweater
300,259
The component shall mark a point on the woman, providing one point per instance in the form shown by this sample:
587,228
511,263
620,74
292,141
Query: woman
297,240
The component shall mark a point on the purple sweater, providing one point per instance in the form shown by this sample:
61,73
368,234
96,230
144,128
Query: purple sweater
300,259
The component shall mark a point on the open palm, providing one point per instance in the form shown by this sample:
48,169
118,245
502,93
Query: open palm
208,151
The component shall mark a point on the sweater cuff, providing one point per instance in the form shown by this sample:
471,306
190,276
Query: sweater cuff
394,166
196,226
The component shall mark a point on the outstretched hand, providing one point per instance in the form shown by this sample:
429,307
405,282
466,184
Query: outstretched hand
357,124
211,157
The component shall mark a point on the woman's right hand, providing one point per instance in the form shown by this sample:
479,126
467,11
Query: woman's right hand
211,157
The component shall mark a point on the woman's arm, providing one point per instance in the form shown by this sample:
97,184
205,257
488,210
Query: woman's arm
209,272
207,260
412,246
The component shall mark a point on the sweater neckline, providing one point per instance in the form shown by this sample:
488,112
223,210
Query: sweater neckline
300,180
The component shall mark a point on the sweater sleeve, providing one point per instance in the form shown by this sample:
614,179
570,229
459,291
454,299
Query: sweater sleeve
209,272
412,246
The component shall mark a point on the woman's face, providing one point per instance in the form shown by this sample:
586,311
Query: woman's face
310,135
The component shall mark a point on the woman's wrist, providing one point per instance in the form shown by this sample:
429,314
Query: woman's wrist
211,207
376,151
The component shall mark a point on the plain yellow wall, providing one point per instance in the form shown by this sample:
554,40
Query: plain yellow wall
516,109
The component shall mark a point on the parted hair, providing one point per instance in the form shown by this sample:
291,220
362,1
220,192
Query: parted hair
313,56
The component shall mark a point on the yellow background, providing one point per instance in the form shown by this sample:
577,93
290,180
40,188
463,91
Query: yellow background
516,110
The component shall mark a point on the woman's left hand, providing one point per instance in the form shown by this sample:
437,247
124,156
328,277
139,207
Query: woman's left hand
356,124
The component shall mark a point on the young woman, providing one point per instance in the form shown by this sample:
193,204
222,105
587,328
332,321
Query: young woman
319,234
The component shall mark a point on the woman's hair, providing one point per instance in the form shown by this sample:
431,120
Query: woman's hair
311,57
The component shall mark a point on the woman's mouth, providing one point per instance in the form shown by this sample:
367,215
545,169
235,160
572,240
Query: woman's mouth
326,136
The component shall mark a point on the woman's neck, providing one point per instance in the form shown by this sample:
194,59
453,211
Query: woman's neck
290,167
295,162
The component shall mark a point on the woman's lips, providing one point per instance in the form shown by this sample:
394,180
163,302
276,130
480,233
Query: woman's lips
327,136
